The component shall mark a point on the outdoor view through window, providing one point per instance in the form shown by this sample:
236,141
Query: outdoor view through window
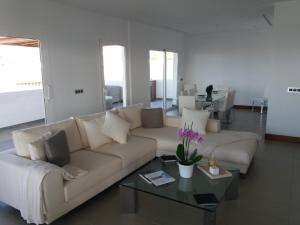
21,89
20,68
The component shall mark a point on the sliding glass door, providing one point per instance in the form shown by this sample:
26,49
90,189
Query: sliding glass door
163,79
114,76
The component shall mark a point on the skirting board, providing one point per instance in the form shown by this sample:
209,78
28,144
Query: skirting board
249,107
275,137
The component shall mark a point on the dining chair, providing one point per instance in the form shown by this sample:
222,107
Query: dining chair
187,102
189,89
261,101
225,107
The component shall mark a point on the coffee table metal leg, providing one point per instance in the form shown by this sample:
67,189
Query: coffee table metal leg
209,218
128,198
233,191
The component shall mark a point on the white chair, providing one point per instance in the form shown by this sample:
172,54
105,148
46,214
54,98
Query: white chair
226,106
187,102
260,101
231,97
189,90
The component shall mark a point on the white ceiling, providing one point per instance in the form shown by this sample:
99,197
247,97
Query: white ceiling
190,16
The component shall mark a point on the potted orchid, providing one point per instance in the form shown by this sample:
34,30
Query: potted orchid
187,159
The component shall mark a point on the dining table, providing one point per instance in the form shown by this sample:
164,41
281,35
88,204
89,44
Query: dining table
211,104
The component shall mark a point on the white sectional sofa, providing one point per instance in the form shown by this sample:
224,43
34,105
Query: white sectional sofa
110,162
230,148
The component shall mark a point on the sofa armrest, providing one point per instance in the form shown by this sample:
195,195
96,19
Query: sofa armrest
170,121
213,125
12,171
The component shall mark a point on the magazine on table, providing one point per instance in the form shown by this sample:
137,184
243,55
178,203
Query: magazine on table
157,178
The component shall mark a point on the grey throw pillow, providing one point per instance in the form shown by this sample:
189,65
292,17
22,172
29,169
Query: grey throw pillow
57,149
152,118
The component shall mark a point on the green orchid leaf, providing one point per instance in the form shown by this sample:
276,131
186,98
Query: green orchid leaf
193,155
197,159
180,152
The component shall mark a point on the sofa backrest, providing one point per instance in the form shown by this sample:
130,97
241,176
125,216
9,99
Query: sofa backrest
23,137
211,126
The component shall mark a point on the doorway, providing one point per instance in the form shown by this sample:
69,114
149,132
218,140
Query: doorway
114,76
21,87
163,79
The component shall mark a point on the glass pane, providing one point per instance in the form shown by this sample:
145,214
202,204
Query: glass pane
156,60
114,76
21,86
182,190
171,83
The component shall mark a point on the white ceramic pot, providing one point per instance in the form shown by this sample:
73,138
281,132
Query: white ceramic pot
186,171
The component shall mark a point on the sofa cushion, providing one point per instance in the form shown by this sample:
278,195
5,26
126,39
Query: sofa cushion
23,137
229,136
57,149
152,118
94,133
132,114
231,146
234,146
116,128
135,149
167,140
99,167
37,147
81,128
238,152
165,137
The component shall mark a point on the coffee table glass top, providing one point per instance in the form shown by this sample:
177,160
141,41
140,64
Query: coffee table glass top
182,190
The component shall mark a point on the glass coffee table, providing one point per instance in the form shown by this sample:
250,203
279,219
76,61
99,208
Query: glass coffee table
181,191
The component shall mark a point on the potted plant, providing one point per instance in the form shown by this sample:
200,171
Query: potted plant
187,159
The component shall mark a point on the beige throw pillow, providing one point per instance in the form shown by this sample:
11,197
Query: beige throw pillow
196,117
132,114
81,128
116,128
93,129
37,147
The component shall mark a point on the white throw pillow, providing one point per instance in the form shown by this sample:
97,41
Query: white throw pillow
116,128
37,148
196,117
132,114
93,129
79,121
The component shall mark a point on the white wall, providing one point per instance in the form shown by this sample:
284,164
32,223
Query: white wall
21,107
145,38
240,60
284,108
70,51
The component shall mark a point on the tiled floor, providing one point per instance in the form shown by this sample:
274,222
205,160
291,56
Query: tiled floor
269,194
